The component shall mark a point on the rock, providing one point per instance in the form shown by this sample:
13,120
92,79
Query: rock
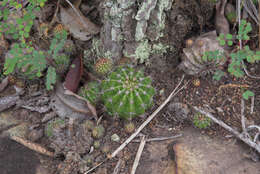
194,153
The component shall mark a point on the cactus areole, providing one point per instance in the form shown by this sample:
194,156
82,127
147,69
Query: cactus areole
127,93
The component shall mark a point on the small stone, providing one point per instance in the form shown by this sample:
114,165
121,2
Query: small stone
96,144
98,132
115,138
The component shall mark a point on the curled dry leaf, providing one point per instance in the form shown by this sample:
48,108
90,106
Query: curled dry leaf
79,26
70,106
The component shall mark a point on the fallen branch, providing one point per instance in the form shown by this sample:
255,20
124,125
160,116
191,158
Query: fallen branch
241,136
138,155
159,138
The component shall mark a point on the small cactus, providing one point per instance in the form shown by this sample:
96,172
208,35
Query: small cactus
127,93
98,132
90,92
62,61
103,66
130,127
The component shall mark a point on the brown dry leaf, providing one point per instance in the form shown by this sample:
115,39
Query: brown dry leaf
80,26
74,75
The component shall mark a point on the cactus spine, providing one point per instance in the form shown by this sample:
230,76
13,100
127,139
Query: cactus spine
127,93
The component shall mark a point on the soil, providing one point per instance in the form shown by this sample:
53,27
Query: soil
222,98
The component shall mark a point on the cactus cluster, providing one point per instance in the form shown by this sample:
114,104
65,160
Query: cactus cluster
90,92
127,93
103,66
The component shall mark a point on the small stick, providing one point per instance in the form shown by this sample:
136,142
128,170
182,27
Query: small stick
93,168
54,18
117,168
138,154
243,116
159,139
252,102
122,146
33,146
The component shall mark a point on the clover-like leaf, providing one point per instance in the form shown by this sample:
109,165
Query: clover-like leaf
247,94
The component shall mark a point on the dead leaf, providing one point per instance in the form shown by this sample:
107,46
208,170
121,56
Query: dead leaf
74,75
80,26
4,84
70,106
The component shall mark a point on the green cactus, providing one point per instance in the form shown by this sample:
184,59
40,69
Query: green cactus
90,92
103,66
127,93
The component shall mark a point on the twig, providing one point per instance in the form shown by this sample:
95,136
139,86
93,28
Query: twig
54,18
241,136
93,168
138,155
243,116
159,139
252,104
247,73
174,92
33,146
117,168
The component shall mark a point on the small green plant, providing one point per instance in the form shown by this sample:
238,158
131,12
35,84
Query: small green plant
235,67
201,121
23,56
247,94
33,62
127,93
91,92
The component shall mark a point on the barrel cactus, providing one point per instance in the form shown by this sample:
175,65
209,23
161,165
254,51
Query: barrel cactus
127,93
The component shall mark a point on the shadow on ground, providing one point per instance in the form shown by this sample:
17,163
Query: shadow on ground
15,158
